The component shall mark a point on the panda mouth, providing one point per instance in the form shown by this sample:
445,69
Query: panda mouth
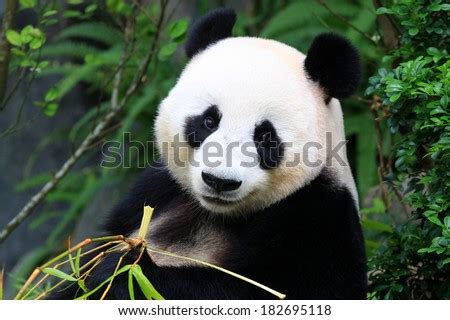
217,200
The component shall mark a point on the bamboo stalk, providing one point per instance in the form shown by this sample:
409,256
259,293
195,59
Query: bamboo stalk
145,223
108,287
281,296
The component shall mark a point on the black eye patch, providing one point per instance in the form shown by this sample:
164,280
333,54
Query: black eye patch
268,144
198,128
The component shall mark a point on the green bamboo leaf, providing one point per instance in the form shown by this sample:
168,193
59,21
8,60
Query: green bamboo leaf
82,285
121,270
59,274
145,284
130,284
91,30
33,182
77,262
72,264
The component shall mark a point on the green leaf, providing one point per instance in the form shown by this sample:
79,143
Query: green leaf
52,94
49,22
435,220
376,225
413,31
50,13
91,30
395,97
50,109
28,3
87,294
145,285
26,34
90,8
59,274
166,51
34,181
383,10
72,264
33,36
71,14
77,262
178,29
43,64
130,284
447,222
82,285
13,38
18,52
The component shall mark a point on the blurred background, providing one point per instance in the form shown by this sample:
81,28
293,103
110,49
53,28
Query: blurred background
63,60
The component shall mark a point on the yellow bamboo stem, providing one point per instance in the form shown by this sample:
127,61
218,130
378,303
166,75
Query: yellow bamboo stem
234,274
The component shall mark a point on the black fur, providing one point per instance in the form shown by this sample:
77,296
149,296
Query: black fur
268,144
308,246
195,130
334,63
214,26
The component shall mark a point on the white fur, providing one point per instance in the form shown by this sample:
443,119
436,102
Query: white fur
250,80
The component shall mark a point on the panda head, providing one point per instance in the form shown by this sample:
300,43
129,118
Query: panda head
244,126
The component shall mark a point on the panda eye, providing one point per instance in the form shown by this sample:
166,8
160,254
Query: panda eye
209,123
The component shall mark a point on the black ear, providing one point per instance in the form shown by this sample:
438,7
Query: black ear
334,63
214,26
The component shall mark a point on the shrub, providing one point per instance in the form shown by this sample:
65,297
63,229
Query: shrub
413,91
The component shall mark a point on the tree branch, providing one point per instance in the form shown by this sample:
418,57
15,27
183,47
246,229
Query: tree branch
388,28
5,49
383,167
116,107
379,140
345,20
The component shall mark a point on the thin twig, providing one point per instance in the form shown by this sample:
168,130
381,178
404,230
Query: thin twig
90,138
384,168
379,142
37,271
5,48
345,20
14,88
387,27
108,287
12,127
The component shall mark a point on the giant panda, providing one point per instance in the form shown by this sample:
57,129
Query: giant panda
292,225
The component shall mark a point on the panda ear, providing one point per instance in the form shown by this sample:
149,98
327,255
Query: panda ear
334,63
214,26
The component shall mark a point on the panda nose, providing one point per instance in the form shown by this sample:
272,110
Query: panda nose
219,184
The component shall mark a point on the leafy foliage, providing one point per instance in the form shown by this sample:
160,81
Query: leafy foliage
414,90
